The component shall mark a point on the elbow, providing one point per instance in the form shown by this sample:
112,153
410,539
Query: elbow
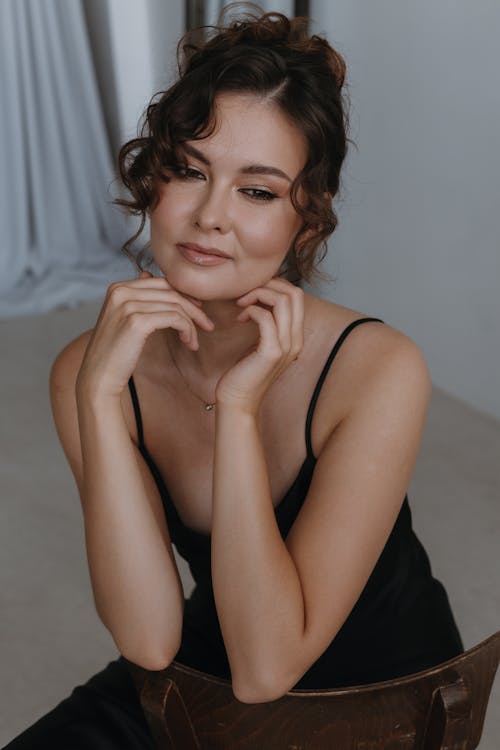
246,693
151,661
264,688
142,653
260,685
156,663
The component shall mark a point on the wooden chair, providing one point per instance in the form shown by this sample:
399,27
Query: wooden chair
439,708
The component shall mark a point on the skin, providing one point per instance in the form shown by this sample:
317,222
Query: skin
351,506
218,206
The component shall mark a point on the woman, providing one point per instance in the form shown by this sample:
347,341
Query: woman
205,379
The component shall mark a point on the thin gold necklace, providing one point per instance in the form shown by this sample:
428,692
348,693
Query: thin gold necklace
207,406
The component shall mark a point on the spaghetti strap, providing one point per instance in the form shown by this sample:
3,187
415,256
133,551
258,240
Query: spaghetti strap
322,377
137,411
314,398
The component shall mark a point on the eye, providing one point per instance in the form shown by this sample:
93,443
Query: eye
260,195
187,173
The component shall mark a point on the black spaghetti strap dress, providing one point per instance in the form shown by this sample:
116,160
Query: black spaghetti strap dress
402,622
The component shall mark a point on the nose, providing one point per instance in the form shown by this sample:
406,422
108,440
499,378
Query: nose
212,211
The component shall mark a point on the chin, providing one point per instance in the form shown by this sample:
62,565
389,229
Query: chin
198,291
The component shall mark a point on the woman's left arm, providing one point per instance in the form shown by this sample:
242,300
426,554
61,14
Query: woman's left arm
257,589
281,602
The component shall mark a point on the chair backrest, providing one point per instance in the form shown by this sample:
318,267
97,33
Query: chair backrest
441,708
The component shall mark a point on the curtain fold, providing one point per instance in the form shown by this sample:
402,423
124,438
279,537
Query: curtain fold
61,236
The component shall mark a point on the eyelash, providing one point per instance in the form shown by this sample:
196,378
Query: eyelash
265,195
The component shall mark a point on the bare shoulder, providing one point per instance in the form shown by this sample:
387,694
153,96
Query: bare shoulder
370,343
63,377
66,365
373,353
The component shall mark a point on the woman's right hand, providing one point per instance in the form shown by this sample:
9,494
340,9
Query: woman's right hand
132,310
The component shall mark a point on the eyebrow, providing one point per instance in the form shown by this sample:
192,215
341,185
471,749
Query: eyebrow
250,169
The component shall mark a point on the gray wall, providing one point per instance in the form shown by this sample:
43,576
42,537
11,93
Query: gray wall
418,240
417,243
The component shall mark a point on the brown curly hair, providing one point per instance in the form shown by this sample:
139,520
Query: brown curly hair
266,55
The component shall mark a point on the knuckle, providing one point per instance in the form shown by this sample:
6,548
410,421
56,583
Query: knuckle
110,289
275,353
116,292
297,291
135,320
128,307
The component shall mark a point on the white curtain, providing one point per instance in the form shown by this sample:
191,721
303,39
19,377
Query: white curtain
60,235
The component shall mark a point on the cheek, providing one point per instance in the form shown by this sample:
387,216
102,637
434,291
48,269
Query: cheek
169,210
269,231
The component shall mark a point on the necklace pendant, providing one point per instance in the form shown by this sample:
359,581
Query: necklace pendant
209,407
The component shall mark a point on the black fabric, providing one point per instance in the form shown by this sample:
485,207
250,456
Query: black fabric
401,623
104,713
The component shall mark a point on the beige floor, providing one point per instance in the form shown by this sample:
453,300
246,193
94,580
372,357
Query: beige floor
50,636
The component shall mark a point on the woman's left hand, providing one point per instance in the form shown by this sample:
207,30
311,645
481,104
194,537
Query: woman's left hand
281,341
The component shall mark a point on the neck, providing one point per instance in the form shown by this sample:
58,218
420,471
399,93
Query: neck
220,349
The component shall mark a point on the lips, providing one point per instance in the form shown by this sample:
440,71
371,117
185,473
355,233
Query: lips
201,259
205,250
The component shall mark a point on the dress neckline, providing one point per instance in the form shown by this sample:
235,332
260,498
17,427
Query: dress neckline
310,457
169,504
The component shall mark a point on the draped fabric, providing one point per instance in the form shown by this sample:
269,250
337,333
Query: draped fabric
61,235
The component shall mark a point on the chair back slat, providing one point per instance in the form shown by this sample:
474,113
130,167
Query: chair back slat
449,717
441,708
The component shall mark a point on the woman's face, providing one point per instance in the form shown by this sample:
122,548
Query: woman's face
229,199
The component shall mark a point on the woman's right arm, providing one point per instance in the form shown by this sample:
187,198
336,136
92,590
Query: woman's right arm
136,585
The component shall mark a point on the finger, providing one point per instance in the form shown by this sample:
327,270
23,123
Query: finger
158,293
267,296
150,282
194,300
161,319
150,306
281,305
269,343
298,316
169,286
